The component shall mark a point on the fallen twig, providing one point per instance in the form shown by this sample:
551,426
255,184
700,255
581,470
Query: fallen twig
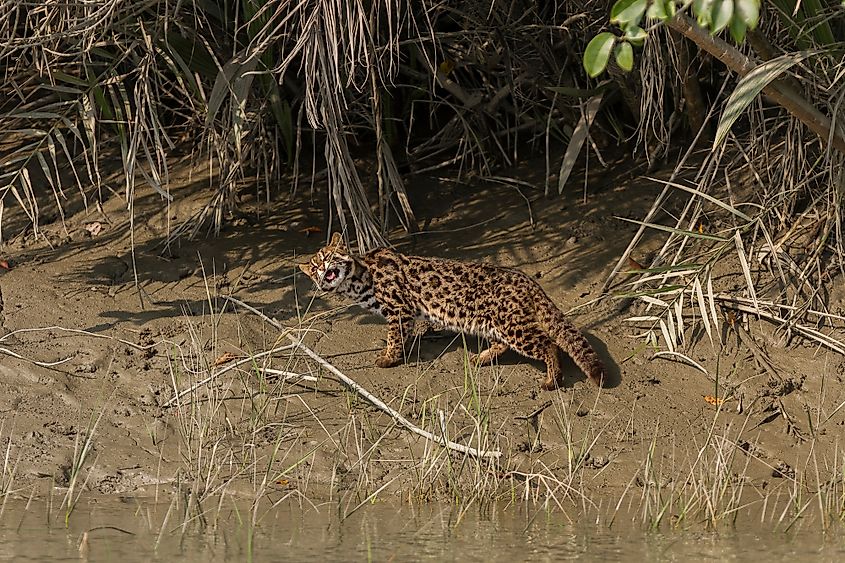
77,331
536,412
36,362
217,374
61,329
290,375
372,399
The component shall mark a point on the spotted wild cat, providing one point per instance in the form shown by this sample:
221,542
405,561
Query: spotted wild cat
504,305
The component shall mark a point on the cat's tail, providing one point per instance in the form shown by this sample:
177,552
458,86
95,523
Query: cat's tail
571,340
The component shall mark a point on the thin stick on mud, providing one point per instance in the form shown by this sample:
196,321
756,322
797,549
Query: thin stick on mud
215,375
36,362
372,399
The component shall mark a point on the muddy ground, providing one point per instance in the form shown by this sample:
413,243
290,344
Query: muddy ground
166,331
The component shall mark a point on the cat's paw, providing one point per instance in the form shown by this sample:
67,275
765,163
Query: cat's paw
385,360
551,384
481,359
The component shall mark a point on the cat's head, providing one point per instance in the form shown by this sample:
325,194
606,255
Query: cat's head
331,265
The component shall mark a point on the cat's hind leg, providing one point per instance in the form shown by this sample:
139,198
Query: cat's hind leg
533,342
554,377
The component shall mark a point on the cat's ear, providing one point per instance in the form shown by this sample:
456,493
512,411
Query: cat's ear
306,269
337,241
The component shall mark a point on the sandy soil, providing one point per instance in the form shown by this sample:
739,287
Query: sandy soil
167,331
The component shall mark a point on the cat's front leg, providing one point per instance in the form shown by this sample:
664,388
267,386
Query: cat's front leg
399,328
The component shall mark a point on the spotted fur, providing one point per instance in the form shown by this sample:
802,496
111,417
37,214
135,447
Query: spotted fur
501,304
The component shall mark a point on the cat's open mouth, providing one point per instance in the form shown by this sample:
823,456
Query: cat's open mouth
331,274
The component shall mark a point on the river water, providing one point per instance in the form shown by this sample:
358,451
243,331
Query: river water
135,530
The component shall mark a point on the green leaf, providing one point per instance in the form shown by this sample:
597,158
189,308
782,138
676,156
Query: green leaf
625,56
635,35
816,10
626,12
657,11
597,53
738,29
721,15
703,10
69,79
748,88
749,12
193,53
106,113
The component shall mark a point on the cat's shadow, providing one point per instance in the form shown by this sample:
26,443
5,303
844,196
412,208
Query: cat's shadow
435,344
